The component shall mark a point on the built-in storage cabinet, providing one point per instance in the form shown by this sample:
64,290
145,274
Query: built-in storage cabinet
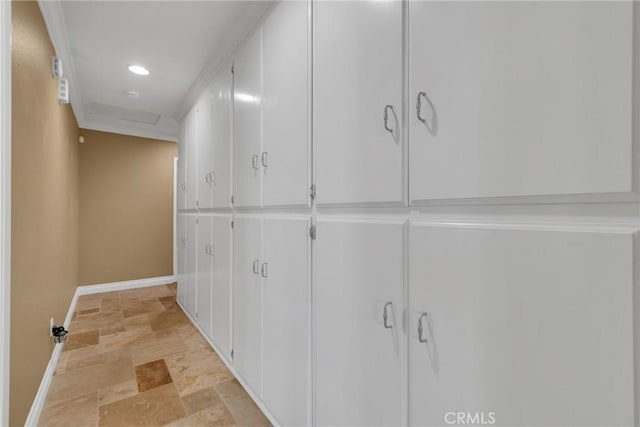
221,122
203,279
519,98
247,123
221,278
358,333
181,178
205,150
357,101
191,272
285,155
181,274
191,149
535,326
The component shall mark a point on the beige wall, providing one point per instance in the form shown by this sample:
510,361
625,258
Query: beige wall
44,206
126,207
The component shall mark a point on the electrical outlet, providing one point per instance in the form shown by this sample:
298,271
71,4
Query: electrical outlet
51,327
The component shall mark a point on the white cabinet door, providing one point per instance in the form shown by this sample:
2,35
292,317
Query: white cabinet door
247,123
520,98
247,301
191,139
286,250
358,270
357,73
221,277
191,264
182,162
205,151
203,280
182,259
221,105
285,158
533,326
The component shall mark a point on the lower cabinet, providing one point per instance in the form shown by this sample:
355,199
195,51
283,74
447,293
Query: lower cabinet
203,281
181,274
191,276
270,312
358,337
221,286
525,327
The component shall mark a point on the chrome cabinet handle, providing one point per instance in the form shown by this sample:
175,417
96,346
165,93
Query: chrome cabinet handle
255,266
212,180
419,107
263,270
206,249
385,316
264,159
386,118
420,327
254,161
207,178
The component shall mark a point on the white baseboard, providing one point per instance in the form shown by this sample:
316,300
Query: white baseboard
122,286
38,402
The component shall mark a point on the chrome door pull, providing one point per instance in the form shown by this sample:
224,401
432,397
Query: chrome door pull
264,159
255,266
432,123
420,328
419,106
263,270
386,118
385,315
254,161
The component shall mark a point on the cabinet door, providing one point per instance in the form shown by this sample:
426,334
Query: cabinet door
221,277
520,98
247,301
182,259
191,138
533,326
358,359
286,249
191,264
285,160
203,302
205,151
357,73
221,105
247,123
182,162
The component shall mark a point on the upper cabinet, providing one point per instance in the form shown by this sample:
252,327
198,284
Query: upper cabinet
247,123
357,101
205,151
181,172
285,156
518,98
221,108
191,148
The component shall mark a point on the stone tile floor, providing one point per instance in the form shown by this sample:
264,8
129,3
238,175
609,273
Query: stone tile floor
133,358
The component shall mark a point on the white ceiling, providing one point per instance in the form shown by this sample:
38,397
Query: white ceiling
182,43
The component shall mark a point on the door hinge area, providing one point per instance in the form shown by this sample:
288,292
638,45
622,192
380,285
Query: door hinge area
312,192
312,232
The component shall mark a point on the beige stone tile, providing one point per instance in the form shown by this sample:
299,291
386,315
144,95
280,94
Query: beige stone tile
88,311
199,400
139,321
241,406
82,352
87,304
81,340
135,307
153,292
155,407
157,349
112,329
167,319
99,358
217,415
95,321
193,371
126,338
117,392
168,302
79,411
111,305
76,382
61,366
151,375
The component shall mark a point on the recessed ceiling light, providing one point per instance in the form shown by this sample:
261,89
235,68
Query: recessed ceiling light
132,93
138,69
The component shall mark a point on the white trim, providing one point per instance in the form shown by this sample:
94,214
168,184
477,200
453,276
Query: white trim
5,206
123,286
175,216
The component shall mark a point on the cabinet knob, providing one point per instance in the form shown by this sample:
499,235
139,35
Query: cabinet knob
385,315
421,328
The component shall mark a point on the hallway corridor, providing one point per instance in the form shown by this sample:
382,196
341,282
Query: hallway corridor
133,358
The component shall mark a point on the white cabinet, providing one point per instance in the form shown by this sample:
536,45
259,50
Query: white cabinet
535,326
519,98
247,300
191,271
181,237
358,337
205,151
357,101
247,123
191,166
221,108
285,270
182,163
285,157
221,278
203,280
